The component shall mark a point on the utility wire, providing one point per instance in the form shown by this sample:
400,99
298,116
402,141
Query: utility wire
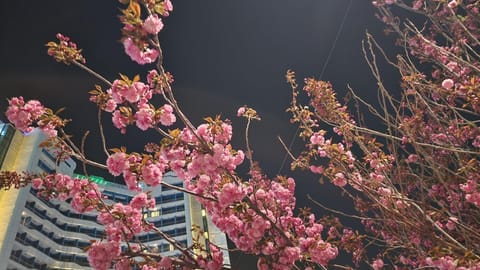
337,36
325,64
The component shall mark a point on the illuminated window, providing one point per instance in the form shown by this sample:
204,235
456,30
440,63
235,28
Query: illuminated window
204,213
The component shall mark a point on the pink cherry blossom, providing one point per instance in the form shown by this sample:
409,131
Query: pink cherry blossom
167,118
141,56
418,4
131,180
413,158
48,129
37,183
117,163
451,223
443,263
316,169
152,24
448,84
167,7
289,255
22,114
136,91
105,217
153,81
339,180
79,203
120,121
317,138
470,186
241,111
214,263
132,50
377,264
322,252
144,117
118,90
101,254
476,141
110,105
452,4
132,93
230,193
165,263
139,201
152,174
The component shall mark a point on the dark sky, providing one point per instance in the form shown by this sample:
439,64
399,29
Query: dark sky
222,53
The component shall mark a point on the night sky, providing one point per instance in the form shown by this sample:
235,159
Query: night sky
223,54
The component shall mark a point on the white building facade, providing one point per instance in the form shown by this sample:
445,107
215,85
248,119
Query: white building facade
20,152
40,234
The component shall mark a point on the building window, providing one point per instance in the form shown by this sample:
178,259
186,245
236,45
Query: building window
155,213
49,155
173,209
169,198
45,167
6,136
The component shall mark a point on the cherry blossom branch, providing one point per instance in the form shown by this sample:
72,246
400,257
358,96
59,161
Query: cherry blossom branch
102,134
84,138
381,134
187,191
89,162
417,32
247,143
465,29
167,89
286,148
336,211
77,153
162,132
177,246
91,72
444,232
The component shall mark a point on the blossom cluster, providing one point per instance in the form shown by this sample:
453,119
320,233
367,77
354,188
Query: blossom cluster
22,114
25,115
65,51
128,101
414,181
139,35
121,222
85,195
257,214
415,184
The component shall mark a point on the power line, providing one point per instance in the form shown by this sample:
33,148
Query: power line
325,64
337,36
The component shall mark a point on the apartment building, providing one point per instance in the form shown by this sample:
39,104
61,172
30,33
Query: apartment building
40,234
